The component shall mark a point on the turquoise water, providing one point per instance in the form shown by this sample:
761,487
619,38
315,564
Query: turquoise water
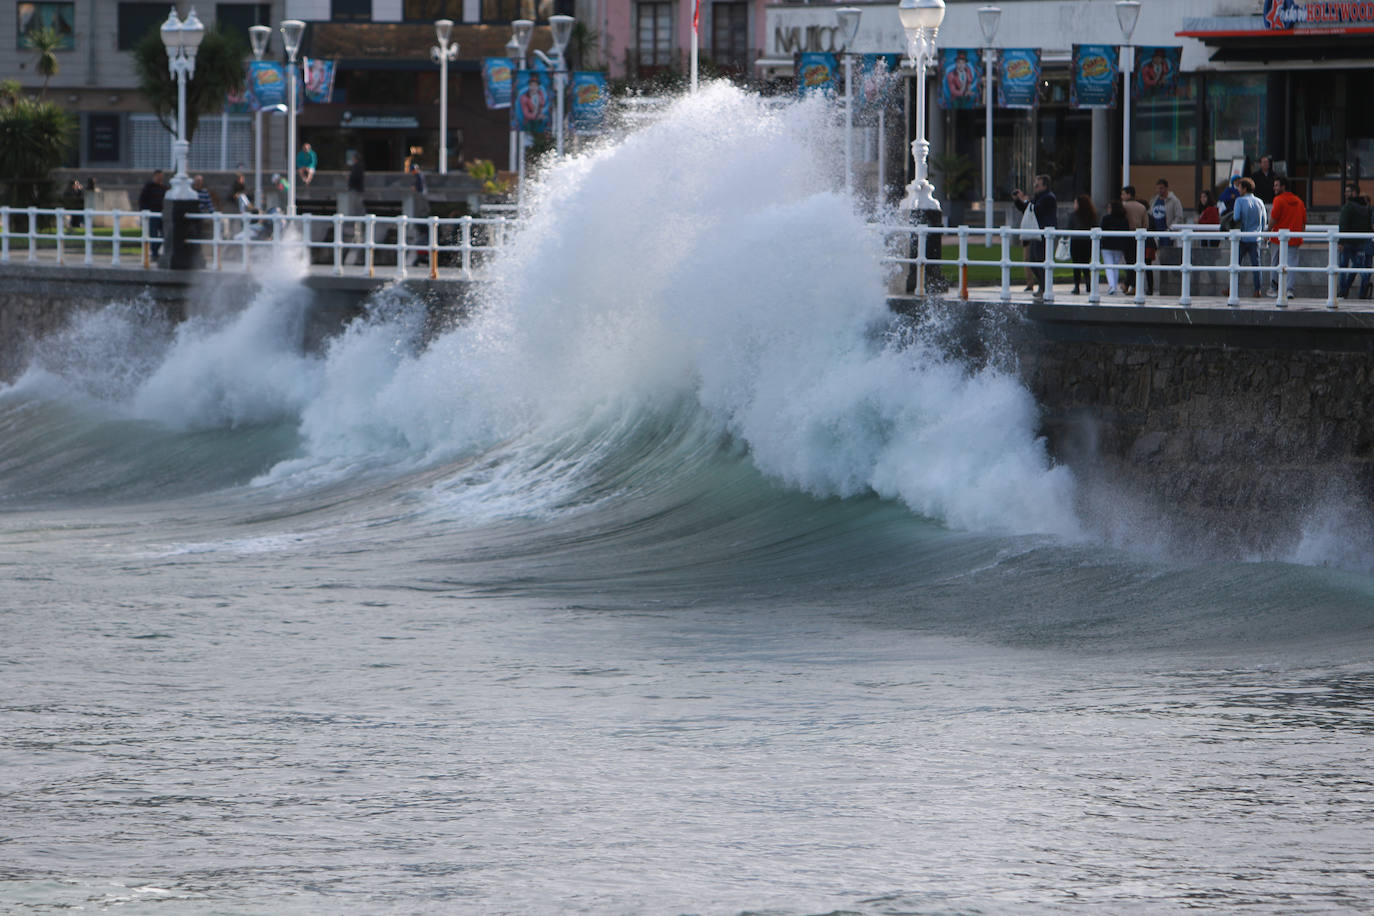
678,581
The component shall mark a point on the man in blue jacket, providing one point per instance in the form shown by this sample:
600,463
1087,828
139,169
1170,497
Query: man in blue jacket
1250,218
1046,214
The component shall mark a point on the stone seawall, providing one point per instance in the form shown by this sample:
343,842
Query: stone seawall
1232,427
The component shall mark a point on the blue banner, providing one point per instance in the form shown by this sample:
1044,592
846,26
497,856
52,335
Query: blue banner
817,72
267,82
590,93
533,93
961,78
1092,83
876,80
319,80
1157,72
497,77
1019,82
241,102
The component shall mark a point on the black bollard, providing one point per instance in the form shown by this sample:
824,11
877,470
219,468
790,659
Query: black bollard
178,252
936,282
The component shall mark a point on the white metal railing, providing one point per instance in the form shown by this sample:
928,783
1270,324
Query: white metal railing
1189,240
458,244
54,232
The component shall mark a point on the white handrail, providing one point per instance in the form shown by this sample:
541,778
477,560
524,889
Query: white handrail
93,245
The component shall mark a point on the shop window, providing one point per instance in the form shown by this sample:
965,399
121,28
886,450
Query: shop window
136,20
378,87
538,10
430,10
237,18
1236,106
60,17
730,34
1165,128
352,11
654,34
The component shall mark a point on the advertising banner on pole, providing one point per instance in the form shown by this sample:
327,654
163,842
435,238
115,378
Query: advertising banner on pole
497,78
590,93
817,72
530,110
319,80
877,78
1018,83
1156,73
1092,83
267,82
961,78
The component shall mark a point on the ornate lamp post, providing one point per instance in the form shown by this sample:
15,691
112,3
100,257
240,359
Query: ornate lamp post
560,27
1127,12
291,32
921,21
847,18
259,35
988,18
182,38
442,53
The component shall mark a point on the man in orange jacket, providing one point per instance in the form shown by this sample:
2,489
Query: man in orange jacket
1288,212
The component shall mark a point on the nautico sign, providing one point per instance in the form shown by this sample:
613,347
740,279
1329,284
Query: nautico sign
1288,14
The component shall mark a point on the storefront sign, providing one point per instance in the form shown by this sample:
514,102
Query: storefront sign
1018,84
817,73
382,122
1288,14
1093,81
961,78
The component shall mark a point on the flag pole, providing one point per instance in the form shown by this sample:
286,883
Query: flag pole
696,21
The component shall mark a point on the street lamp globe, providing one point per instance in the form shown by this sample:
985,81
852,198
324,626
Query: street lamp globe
848,20
192,31
1127,12
171,31
560,27
258,37
291,32
921,14
521,29
442,29
988,19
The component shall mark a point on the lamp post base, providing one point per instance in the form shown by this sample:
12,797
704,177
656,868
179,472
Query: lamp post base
927,278
178,252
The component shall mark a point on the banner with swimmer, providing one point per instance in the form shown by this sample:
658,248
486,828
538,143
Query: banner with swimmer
1093,82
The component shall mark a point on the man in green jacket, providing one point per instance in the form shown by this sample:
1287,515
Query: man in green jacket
1355,217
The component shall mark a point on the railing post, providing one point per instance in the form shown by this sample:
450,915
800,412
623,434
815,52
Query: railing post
370,240
144,239
58,234
216,236
921,258
1095,266
401,229
1332,266
118,237
33,233
1233,268
467,247
963,263
338,244
1006,265
434,247
1047,289
1185,296
1140,267
4,235
1281,300
89,257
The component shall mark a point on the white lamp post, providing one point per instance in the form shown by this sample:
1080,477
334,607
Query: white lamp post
560,28
444,52
182,38
1127,12
513,52
291,32
921,21
259,35
848,20
520,31
988,18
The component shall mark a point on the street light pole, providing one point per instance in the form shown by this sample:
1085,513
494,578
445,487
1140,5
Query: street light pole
443,53
1127,12
513,52
259,35
921,21
848,20
560,28
181,38
988,18
291,32
520,32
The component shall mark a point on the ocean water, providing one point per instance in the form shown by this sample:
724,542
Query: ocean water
680,580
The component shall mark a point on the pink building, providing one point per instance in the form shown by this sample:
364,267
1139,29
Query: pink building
645,37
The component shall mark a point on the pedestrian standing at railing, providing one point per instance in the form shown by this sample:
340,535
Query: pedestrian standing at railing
1137,217
1207,215
74,200
206,203
1081,246
1250,219
1166,212
1288,212
150,199
1046,214
1114,247
1357,253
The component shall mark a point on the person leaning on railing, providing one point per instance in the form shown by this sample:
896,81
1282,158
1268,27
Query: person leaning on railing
1288,212
1250,217
1355,217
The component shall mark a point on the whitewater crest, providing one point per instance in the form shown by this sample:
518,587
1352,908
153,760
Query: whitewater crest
705,260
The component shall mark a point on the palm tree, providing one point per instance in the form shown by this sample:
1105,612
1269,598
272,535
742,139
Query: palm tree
219,71
46,41
34,139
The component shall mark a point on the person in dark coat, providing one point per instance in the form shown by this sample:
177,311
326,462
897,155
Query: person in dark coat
1046,214
1081,247
150,199
1115,248
356,174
